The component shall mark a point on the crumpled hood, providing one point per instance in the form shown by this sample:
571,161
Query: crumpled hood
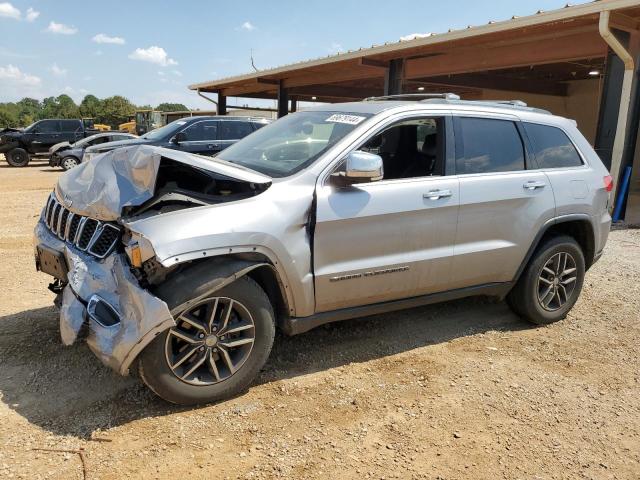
126,177
8,131
59,146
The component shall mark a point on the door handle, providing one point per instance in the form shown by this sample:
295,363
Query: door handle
436,194
213,145
532,185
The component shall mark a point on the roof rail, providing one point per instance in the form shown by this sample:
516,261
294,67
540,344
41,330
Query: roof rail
414,96
515,103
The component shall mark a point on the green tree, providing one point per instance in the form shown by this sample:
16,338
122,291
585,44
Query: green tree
29,110
61,106
172,107
91,106
115,110
8,115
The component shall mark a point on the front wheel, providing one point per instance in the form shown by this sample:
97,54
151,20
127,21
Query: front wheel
551,283
216,349
67,163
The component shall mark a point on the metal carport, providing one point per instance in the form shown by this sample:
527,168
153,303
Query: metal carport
578,61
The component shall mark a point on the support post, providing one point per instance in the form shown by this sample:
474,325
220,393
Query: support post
294,104
222,104
393,77
283,100
625,97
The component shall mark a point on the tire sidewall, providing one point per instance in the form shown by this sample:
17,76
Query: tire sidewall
69,157
155,371
10,157
551,248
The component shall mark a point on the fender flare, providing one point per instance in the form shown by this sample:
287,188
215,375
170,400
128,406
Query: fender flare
583,217
219,272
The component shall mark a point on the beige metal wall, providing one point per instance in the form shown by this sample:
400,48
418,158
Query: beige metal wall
581,104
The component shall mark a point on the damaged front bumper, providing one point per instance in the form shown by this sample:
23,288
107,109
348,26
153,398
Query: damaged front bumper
104,295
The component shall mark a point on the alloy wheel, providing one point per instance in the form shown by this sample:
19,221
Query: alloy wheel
210,342
557,281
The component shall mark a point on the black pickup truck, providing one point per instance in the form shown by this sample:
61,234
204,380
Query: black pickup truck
19,145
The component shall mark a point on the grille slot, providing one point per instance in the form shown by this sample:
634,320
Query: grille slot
88,229
103,243
54,220
73,227
96,237
63,223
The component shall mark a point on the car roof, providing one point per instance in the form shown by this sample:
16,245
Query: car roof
226,118
512,108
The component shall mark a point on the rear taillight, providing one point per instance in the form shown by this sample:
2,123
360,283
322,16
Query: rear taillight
608,183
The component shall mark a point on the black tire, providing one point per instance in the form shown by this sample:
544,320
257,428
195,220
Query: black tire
69,162
17,157
153,364
525,297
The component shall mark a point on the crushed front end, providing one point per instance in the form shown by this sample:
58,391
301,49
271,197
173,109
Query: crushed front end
98,293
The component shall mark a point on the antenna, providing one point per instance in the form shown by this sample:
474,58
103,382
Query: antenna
253,64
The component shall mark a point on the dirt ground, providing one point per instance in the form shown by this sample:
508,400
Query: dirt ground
458,390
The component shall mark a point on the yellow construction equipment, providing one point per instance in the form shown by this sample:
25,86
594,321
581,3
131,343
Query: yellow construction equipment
142,122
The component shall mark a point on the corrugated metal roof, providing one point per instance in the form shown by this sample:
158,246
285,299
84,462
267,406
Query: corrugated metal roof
539,18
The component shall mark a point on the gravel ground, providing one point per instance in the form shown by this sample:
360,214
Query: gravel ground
458,390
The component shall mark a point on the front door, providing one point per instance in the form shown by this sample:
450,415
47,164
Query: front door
394,238
202,138
46,134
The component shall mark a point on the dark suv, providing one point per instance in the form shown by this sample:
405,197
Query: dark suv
202,135
19,145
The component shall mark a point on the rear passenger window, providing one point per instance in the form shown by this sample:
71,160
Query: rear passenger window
487,145
552,147
69,125
233,130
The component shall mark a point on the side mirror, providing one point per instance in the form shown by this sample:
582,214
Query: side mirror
179,137
362,167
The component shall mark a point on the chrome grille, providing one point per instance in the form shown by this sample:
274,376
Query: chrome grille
88,234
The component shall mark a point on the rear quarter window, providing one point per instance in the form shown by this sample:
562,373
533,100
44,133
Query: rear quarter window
551,147
485,145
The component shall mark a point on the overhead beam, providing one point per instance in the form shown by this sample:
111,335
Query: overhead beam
343,73
496,82
267,81
551,50
336,91
623,22
370,62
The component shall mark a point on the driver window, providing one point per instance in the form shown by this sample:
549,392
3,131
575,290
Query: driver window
410,148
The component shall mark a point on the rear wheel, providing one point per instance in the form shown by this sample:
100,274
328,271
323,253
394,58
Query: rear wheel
551,283
67,163
18,157
215,350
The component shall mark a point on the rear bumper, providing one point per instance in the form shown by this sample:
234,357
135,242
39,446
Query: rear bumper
103,295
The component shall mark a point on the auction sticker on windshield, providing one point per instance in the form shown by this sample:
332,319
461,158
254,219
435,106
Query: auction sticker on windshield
342,118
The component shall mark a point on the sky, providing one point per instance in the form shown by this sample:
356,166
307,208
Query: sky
150,51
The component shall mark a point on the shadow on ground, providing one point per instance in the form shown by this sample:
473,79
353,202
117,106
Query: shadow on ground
67,391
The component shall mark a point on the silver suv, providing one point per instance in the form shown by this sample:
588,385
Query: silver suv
182,267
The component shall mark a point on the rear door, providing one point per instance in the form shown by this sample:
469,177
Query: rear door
394,238
71,130
504,201
230,131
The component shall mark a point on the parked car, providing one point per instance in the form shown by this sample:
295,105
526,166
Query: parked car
19,145
68,155
182,267
202,135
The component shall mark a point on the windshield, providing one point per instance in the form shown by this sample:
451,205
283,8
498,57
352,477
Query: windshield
28,129
166,131
292,143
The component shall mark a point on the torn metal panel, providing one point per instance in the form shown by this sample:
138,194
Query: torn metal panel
102,187
139,314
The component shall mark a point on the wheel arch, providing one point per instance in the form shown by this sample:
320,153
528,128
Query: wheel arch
577,226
